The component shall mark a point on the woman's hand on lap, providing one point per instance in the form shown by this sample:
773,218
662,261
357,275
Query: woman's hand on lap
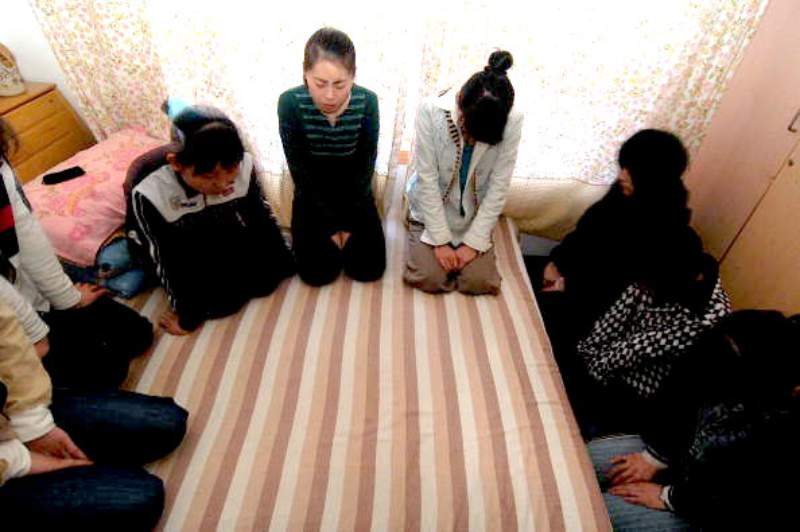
58,444
629,468
44,463
552,280
642,493
446,257
340,238
465,255
42,347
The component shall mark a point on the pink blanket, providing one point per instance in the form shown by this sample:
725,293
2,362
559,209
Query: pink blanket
79,215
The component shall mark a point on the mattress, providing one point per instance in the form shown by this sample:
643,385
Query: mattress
373,406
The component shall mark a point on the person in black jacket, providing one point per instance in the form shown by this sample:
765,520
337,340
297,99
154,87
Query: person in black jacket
634,233
720,448
205,225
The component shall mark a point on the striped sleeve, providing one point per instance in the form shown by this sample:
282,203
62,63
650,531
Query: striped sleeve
160,246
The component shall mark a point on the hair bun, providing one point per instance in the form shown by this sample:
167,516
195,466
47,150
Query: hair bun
499,62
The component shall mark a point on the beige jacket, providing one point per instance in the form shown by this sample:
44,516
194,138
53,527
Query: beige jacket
25,415
434,195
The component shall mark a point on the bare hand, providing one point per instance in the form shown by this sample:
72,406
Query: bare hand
57,444
170,322
642,493
89,294
345,237
43,463
465,255
446,257
552,280
42,347
630,468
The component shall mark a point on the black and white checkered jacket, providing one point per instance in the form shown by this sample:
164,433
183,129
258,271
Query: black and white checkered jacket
637,340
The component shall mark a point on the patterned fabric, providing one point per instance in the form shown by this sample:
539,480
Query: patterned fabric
79,215
637,341
587,74
720,426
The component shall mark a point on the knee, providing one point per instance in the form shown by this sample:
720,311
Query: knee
434,280
168,428
121,498
319,275
143,501
470,282
366,271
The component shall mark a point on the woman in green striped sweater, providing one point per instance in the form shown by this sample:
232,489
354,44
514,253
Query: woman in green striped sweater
329,129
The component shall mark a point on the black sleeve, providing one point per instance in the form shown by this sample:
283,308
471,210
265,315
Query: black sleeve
672,412
296,151
367,150
582,244
263,224
176,274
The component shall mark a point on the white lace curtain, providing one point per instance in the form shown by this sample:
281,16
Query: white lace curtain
587,74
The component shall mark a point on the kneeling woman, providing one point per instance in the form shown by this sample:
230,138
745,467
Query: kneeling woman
329,129
204,222
466,148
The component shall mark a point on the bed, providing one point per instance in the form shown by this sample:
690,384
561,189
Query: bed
373,406
354,406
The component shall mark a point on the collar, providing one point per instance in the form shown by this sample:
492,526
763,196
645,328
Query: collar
447,102
189,191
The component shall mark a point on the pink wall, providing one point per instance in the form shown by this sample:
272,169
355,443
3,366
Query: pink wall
748,140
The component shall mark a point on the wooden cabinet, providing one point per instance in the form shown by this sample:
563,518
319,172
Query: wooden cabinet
48,130
762,268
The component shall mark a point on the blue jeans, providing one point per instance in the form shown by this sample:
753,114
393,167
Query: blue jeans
626,516
114,268
119,431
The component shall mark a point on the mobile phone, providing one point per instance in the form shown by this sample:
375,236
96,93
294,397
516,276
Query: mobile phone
63,175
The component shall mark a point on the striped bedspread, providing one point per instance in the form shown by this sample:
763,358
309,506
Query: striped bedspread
373,407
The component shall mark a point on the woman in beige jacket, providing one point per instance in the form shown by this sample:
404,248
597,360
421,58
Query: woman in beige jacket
70,460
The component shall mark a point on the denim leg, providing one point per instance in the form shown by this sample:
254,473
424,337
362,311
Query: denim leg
120,427
626,516
602,450
83,498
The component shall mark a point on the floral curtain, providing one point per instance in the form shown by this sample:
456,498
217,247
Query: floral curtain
586,74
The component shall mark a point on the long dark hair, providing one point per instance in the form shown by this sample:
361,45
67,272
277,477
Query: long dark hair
486,99
656,161
331,44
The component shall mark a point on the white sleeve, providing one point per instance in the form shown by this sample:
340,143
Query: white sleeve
36,254
17,460
665,495
35,328
479,234
652,460
32,423
429,196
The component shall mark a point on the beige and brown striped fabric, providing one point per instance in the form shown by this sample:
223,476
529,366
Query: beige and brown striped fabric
373,407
